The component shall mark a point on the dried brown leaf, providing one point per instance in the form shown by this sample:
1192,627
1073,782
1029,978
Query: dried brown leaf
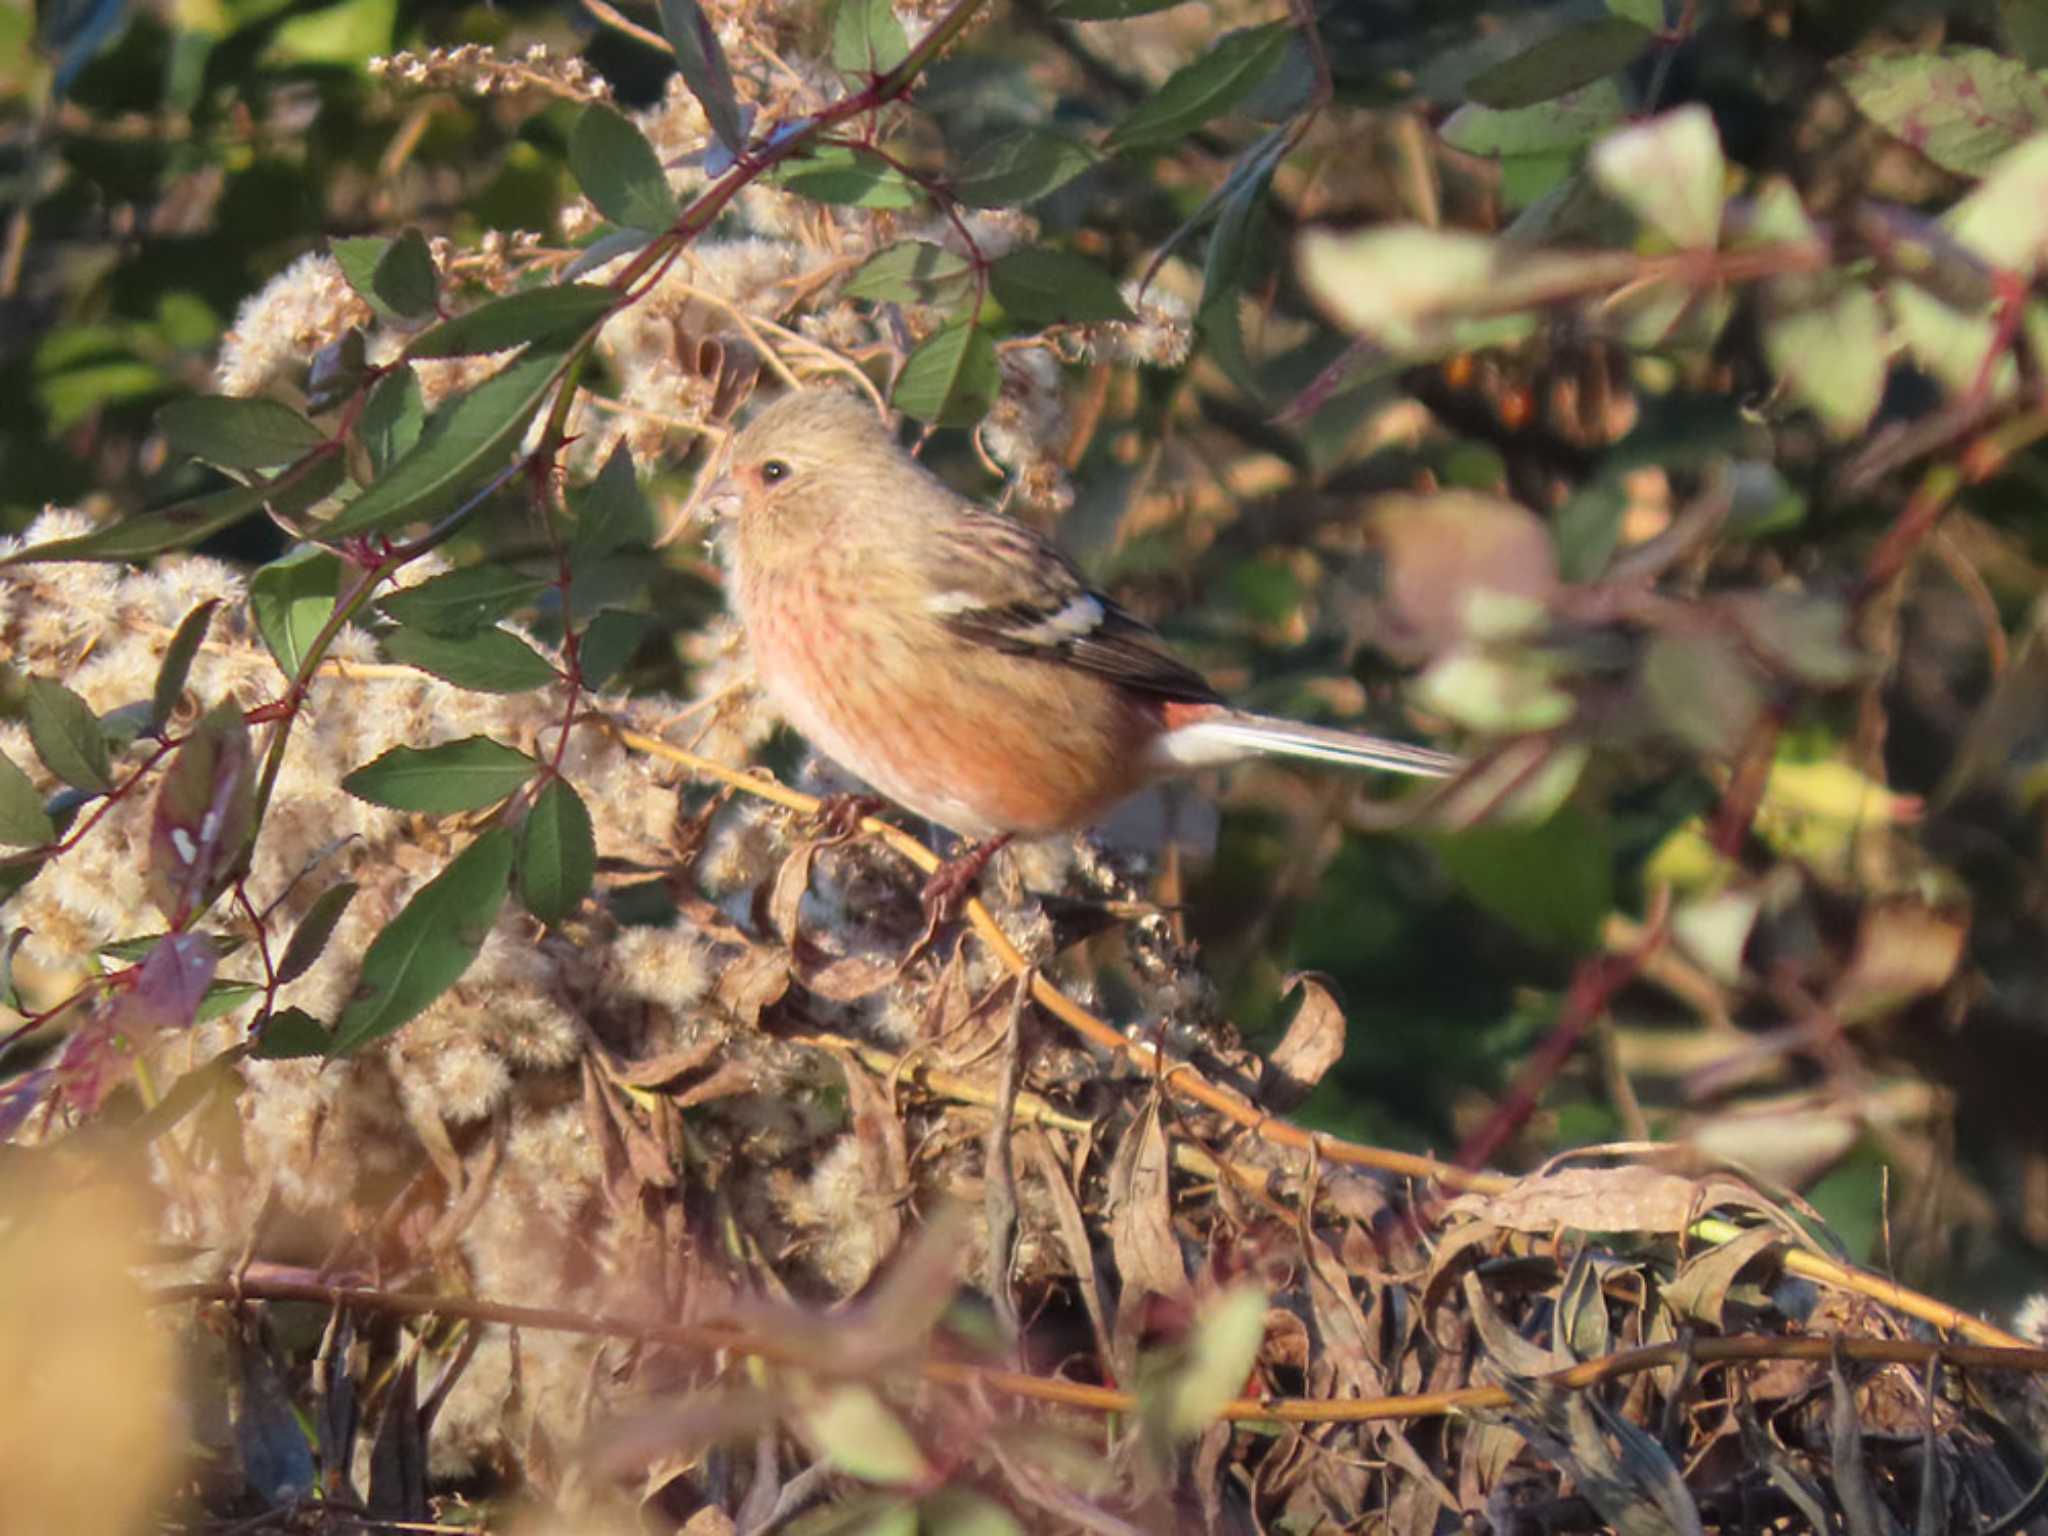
1313,1044
1140,1217
1700,1288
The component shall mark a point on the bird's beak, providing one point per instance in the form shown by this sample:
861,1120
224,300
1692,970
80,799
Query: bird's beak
721,497
708,502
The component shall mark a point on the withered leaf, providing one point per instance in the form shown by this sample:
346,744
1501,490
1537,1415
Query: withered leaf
1140,1217
1313,1044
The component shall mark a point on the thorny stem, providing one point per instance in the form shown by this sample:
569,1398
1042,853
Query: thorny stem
716,1339
1183,1079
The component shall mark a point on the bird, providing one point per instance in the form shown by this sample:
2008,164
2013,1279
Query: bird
952,657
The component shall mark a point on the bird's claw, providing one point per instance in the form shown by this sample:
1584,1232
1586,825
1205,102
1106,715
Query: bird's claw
841,815
952,883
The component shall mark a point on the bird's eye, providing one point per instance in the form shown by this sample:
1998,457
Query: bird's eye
773,471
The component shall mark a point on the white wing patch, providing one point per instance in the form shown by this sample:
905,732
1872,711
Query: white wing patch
1082,615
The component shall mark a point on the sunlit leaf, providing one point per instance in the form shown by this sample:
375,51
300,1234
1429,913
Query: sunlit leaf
427,947
858,1434
951,379
177,663
68,737
462,602
240,434
619,171
553,313
188,522
557,853
291,598
867,39
1962,107
837,173
1670,172
469,438
23,821
464,775
912,272
488,661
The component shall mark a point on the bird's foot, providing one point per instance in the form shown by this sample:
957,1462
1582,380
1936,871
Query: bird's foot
946,892
841,815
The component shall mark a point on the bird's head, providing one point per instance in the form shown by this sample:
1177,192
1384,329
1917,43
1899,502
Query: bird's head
813,440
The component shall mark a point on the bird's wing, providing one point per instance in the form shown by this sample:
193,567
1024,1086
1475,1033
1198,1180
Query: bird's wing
999,583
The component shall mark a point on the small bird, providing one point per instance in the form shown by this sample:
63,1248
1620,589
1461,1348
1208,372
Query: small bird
952,657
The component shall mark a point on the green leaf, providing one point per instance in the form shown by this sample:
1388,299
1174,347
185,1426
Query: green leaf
10,995
2025,25
1962,107
429,944
292,1033
188,522
489,661
309,939
1832,355
1020,168
1648,14
867,39
2005,220
358,260
608,643
1704,691
291,598
557,853
951,379
611,511
1224,264
1217,81
560,312
860,1436
702,63
1670,172
464,775
1041,286
462,602
239,434
1562,62
68,737
405,278
836,173
392,418
1406,286
1220,1352
912,272
467,439
619,171
1587,529
396,278
1552,882
23,821
177,663
1565,123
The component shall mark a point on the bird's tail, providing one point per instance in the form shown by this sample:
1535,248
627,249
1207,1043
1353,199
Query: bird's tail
1230,736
